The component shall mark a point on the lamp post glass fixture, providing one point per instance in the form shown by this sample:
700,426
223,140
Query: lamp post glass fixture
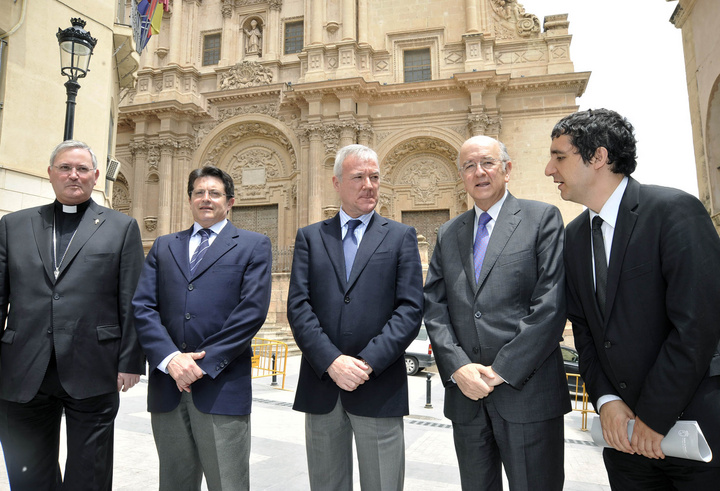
76,47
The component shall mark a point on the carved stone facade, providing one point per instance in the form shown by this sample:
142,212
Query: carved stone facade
275,120
698,20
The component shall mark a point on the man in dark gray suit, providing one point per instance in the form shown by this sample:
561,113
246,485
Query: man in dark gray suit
68,271
495,312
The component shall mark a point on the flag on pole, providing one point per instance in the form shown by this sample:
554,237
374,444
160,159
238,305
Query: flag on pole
150,17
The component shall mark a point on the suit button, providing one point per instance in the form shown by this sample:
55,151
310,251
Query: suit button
190,287
183,346
478,315
623,385
476,350
56,296
188,316
49,331
607,344
347,299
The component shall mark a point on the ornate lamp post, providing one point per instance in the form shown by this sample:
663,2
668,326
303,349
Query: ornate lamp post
76,47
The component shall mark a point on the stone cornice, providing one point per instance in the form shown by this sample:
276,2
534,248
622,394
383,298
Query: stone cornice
154,108
577,81
273,91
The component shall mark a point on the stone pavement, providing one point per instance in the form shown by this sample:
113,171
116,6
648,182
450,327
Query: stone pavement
277,460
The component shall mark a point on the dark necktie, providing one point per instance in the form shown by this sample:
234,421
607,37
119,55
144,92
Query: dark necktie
350,246
600,263
201,249
480,246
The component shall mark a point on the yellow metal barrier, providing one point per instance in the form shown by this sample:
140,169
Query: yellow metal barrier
269,359
579,399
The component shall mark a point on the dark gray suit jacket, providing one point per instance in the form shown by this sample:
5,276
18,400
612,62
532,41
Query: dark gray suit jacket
85,315
513,319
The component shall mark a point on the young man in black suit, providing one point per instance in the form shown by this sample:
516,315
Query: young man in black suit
643,281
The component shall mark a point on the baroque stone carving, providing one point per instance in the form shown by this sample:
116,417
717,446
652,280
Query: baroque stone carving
253,40
418,145
150,223
245,74
242,131
424,179
512,11
484,124
229,112
121,199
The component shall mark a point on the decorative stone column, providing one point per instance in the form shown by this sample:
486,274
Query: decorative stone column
315,163
165,186
362,14
228,38
348,20
138,149
471,16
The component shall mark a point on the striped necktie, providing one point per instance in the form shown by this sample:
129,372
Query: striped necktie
201,249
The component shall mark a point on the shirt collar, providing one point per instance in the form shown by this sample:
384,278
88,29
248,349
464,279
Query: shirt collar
344,218
217,227
609,211
494,210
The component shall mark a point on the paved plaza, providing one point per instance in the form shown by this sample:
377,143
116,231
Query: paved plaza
277,461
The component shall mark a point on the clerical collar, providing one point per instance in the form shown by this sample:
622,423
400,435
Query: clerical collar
70,209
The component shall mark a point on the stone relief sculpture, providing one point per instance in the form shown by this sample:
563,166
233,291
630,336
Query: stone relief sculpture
253,39
512,11
245,74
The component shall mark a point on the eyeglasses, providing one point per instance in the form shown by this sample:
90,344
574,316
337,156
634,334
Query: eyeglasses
82,170
470,167
213,193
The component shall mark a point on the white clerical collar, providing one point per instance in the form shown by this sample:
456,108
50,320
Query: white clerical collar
69,208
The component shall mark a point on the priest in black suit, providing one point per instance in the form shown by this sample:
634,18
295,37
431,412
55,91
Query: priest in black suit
68,271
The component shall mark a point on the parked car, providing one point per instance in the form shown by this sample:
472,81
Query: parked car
570,360
419,354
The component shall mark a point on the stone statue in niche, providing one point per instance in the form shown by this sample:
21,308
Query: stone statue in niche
253,39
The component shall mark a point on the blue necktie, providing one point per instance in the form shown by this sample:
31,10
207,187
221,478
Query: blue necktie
350,246
480,246
201,249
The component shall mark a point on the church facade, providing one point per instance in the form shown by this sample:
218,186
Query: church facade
269,90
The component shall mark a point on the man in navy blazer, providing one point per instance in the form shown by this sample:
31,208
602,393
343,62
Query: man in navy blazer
202,296
643,282
353,318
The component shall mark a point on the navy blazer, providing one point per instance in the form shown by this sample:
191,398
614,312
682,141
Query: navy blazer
219,309
373,316
657,348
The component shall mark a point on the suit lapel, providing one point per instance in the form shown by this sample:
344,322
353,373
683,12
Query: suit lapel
331,236
179,249
91,221
42,229
465,241
627,217
373,236
581,257
507,221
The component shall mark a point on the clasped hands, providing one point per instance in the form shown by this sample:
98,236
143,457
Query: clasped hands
348,372
614,418
184,370
476,381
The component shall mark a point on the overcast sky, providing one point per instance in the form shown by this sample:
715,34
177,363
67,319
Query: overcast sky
638,69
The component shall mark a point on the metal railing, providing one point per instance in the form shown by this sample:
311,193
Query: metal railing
269,359
580,399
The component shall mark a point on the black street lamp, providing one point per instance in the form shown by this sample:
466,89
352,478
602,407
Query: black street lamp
76,47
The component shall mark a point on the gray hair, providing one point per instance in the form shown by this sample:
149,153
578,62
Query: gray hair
504,155
360,151
70,144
